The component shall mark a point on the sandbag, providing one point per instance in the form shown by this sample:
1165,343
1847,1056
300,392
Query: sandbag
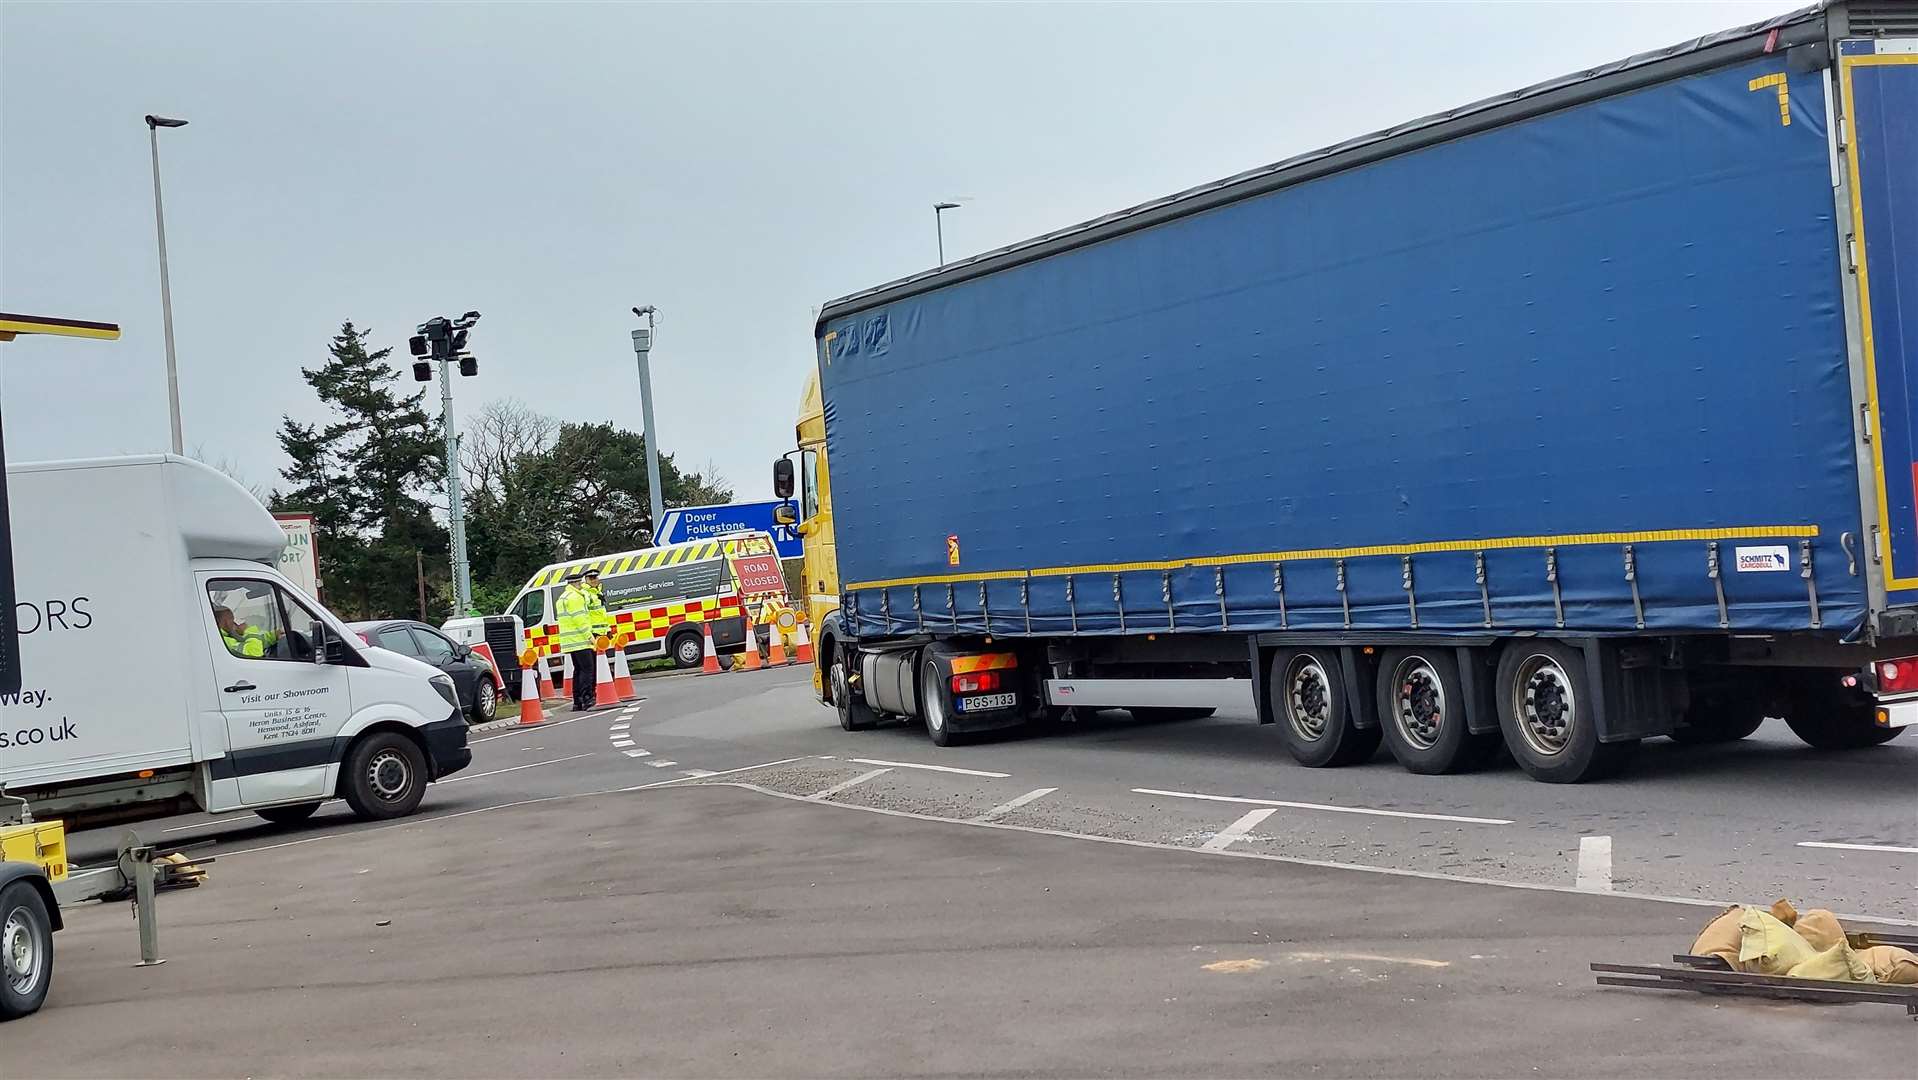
1838,963
1819,928
1721,936
1769,947
1891,964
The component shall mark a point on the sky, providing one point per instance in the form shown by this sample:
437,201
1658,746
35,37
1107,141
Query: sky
553,165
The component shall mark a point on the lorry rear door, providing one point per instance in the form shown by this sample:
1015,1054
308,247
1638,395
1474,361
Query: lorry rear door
1879,82
282,710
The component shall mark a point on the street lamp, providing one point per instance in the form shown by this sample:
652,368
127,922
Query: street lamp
642,347
442,341
939,224
154,124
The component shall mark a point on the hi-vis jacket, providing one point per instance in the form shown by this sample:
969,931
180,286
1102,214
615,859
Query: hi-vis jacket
574,613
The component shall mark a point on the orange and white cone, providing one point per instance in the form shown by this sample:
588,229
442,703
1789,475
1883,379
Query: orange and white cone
603,692
531,660
777,657
529,707
749,658
802,648
622,673
709,665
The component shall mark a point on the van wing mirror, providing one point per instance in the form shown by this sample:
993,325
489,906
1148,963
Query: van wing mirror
327,648
783,478
784,514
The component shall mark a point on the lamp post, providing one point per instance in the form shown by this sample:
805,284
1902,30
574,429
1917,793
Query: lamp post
442,341
642,347
939,225
154,124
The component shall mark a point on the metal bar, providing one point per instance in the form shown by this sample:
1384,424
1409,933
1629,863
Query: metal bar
1741,978
1795,993
1025,601
1714,571
1118,600
1165,593
1072,606
984,611
1218,587
1411,598
1484,585
1345,600
1551,575
1631,577
952,606
141,856
885,607
1278,586
1811,583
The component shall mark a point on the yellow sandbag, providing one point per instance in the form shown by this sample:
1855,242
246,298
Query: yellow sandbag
1782,910
1769,947
1838,963
1819,928
1891,964
1721,936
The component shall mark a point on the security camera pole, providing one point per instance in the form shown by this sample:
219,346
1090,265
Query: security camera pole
442,341
643,345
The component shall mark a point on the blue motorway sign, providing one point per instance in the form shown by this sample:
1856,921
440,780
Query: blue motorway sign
699,522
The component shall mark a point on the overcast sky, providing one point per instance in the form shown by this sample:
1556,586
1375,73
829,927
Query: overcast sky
553,165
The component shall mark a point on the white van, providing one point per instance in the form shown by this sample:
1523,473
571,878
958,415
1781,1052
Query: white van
170,667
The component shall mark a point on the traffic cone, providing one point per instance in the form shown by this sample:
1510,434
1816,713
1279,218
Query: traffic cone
777,657
603,692
529,707
622,674
750,657
802,649
710,665
547,691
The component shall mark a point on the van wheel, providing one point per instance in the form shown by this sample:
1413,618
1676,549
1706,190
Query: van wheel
384,777
854,713
1422,713
288,815
689,651
1308,697
26,950
1545,712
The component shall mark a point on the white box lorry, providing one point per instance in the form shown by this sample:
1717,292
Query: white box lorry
169,666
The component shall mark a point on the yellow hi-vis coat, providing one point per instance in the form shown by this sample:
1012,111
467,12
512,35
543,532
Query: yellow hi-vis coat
573,612
596,611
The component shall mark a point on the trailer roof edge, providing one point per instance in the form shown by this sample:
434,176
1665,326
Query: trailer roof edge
1801,27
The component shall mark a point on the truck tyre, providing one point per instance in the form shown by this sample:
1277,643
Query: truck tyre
1422,707
1840,727
854,713
932,703
1166,714
26,950
288,815
1308,698
1545,712
1719,714
688,650
485,699
384,776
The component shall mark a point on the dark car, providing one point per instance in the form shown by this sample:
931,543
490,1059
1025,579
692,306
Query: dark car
472,676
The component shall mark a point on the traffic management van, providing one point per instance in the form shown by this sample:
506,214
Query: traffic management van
171,667
661,598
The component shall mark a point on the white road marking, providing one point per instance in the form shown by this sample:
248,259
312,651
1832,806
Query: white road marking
696,772
1005,808
723,772
1594,863
844,784
637,753
1321,806
516,768
621,744
1859,847
209,821
516,731
662,764
1236,831
620,727
930,768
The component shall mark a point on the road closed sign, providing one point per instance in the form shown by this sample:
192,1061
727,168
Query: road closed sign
298,560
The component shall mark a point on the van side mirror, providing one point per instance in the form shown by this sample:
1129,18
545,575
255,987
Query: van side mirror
784,514
327,649
783,478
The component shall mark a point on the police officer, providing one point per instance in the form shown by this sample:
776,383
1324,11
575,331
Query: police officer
573,610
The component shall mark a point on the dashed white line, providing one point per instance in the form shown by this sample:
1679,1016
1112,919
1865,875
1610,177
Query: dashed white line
621,744
844,784
637,753
723,772
1594,864
1236,831
1005,808
662,764
1321,806
930,768
620,727
516,768
516,731
1859,847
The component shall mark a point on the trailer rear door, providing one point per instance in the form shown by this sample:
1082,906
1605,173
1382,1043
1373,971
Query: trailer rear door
1879,81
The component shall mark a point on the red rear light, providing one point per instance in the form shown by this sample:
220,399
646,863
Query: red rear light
1897,676
975,682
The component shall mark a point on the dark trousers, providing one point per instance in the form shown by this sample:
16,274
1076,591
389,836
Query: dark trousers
584,677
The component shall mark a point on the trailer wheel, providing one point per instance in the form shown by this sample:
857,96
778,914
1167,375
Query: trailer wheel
1308,697
854,713
1422,707
932,703
288,815
384,776
1720,713
26,950
1545,713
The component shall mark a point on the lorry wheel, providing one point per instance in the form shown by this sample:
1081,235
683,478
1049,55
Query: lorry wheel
26,950
485,700
384,776
1422,707
932,704
288,815
689,651
1840,727
1169,714
1545,712
854,713
1308,697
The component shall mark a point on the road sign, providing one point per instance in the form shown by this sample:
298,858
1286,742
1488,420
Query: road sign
699,522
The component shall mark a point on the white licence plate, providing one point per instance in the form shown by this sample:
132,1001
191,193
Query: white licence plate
983,702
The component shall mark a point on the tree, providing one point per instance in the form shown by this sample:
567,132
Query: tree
493,440
366,477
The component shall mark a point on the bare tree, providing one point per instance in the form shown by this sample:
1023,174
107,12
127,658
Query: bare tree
232,470
496,438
